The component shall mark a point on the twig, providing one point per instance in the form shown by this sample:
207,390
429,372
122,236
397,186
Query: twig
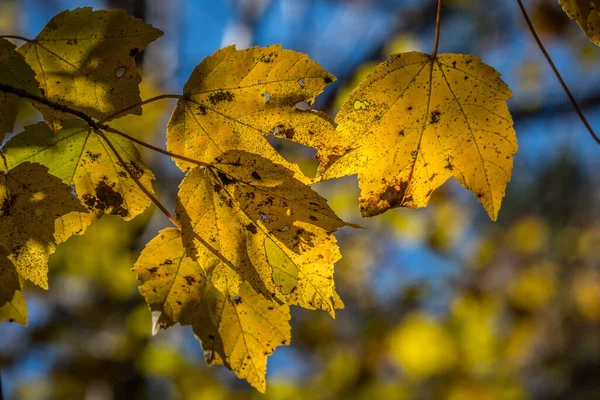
16,37
158,204
558,76
157,149
139,104
49,103
438,23
100,125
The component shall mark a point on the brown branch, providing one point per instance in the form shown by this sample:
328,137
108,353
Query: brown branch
49,103
158,204
556,73
154,148
99,125
438,23
16,37
139,104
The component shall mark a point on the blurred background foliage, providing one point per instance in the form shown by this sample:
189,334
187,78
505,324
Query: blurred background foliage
441,303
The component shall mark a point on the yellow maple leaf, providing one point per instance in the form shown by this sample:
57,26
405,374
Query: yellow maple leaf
239,330
235,97
272,229
14,310
84,59
12,303
14,72
417,121
587,15
78,156
30,201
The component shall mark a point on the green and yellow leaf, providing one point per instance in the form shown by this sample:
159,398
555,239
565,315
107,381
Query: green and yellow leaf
238,330
14,310
272,229
12,303
30,201
84,59
14,72
587,15
417,121
236,97
80,157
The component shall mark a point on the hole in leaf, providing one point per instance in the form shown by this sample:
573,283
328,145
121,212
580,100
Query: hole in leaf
267,97
119,72
265,218
301,83
302,106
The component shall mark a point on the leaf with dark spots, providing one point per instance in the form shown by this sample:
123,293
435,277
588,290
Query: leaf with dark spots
225,179
256,176
440,116
84,54
239,329
218,97
7,205
190,280
251,228
31,200
80,157
269,219
109,201
240,116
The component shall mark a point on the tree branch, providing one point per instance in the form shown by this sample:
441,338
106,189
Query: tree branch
136,105
158,204
16,37
438,23
49,103
556,73
154,148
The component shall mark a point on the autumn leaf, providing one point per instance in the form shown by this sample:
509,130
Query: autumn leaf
585,12
84,59
415,122
14,310
15,72
12,302
235,97
272,229
79,157
30,201
239,330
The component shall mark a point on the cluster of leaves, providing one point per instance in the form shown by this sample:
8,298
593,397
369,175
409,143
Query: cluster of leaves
251,237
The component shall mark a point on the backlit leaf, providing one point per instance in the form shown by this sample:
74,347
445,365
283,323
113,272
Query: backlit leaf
587,15
79,157
15,72
239,330
12,303
275,231
84,59
14,310
235,97
30,201
415,122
